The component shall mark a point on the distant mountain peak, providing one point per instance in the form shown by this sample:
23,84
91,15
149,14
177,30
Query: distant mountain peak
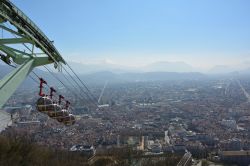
166,66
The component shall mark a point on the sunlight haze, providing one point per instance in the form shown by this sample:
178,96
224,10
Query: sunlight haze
203,34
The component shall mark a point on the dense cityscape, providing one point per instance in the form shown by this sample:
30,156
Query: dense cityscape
124,83
207,118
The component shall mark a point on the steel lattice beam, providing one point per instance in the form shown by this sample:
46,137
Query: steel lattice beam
25,33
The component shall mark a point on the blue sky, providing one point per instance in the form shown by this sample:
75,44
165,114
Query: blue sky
202,33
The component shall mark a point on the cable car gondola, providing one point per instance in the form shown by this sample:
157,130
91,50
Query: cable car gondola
69,120
59,115
46,105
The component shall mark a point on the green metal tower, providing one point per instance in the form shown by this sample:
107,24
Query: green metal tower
23,33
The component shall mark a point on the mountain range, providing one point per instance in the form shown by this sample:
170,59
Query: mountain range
161,66
102,76
99,73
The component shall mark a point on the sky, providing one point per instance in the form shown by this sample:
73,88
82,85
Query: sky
202,33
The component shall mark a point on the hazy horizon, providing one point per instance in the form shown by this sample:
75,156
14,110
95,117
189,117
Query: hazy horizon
130,33
157,66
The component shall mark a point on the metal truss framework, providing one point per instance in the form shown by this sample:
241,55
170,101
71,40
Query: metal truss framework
25,32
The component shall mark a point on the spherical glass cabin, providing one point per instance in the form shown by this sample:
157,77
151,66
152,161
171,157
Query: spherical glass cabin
69,120
44,104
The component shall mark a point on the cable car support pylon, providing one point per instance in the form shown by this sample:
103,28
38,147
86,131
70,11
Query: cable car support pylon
15,22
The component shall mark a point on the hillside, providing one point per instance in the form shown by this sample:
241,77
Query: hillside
20,151
16,151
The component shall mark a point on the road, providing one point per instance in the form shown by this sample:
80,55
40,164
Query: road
244,91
